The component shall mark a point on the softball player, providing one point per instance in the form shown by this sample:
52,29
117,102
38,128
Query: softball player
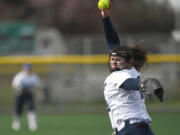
23,83
125,102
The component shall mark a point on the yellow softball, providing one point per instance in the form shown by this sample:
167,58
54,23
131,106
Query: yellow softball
103,4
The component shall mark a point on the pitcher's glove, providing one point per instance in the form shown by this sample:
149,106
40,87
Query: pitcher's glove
150,87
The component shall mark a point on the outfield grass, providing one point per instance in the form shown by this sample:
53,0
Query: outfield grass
163,124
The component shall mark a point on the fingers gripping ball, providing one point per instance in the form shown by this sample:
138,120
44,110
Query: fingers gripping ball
103,4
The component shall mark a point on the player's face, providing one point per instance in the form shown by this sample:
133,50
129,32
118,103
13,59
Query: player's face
28,71
118,62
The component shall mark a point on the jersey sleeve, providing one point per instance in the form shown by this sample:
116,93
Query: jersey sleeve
16,81
131,84
37,82
120,78
110,33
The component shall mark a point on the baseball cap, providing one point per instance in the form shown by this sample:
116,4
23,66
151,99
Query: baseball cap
26,66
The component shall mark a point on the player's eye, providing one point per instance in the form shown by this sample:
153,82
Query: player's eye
115,59
112,59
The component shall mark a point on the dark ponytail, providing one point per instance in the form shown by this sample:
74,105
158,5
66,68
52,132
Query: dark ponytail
139,56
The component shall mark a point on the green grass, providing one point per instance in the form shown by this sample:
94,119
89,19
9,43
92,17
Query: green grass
166,123
68,124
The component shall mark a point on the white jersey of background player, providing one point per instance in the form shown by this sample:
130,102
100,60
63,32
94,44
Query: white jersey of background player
22,79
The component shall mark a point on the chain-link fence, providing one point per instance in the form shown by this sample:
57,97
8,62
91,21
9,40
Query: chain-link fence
82,83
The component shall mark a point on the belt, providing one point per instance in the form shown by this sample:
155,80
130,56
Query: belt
136,123
141,124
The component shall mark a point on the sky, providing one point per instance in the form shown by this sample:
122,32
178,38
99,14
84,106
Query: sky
174,3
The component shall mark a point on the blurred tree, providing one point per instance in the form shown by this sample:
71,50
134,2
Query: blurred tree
143,16
80,16
128,15
16,2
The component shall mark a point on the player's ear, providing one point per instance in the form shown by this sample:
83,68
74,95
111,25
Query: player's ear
129,63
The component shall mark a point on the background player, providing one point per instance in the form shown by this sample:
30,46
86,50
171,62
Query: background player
122,88
24,83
